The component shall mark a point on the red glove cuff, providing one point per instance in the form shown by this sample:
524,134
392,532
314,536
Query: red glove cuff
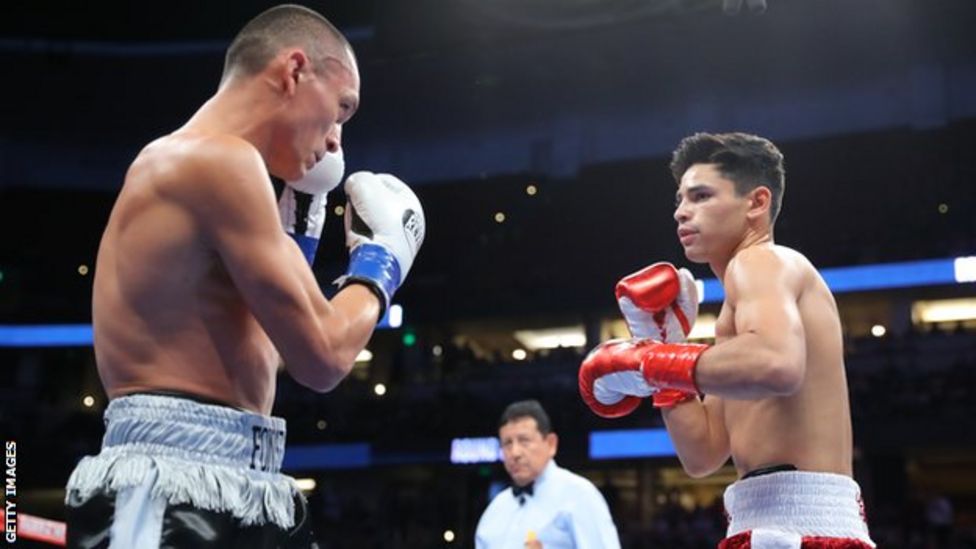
669,398
672,365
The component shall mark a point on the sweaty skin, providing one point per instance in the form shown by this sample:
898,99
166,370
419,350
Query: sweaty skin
775,382
197,288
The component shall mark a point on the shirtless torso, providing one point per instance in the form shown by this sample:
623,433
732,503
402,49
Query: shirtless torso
197,288
810,428
775,386
166,314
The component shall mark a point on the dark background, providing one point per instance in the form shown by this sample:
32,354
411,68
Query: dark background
470,101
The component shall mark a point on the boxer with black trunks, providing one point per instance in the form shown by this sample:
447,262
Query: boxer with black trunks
200,296
774,382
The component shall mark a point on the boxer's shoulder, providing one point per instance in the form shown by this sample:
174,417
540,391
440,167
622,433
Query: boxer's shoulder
201,169
761,264
761,256
195,156
214,157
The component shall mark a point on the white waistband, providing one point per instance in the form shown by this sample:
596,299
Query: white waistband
210,456
799,502
182,428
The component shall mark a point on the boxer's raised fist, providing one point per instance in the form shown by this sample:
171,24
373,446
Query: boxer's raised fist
660,302
385,228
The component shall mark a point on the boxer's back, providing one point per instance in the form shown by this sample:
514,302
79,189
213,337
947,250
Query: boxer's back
810,428
166,314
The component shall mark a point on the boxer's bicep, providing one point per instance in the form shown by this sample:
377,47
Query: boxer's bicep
764,293
235,207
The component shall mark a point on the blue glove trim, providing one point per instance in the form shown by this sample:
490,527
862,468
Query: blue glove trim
308,246
374,265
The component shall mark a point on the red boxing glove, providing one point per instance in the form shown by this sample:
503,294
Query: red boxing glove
616,375
660,302
610,381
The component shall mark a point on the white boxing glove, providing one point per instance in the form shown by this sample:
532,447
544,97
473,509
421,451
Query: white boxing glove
324,176
303,202
385,228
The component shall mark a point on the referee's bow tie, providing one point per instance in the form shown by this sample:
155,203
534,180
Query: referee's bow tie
519,491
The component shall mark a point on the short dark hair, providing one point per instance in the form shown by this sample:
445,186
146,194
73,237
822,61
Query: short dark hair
281,27
747,160
527,408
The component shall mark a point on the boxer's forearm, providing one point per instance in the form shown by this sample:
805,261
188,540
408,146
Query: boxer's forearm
344,326
698,435
359,308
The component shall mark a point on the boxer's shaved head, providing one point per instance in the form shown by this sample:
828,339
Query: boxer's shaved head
281,27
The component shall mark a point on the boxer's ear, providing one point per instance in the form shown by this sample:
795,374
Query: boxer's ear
760,200
289,66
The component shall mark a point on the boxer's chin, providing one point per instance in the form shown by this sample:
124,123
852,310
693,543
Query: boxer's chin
695,254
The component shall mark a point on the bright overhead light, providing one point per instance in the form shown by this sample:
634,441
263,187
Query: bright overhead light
878,330
552,338
944,310
364,356
305,484
965,269
379,389
395,317
700,286
475,450
704,328
519,354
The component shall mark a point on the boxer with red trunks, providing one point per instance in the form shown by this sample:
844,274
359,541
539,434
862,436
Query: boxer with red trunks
775,390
